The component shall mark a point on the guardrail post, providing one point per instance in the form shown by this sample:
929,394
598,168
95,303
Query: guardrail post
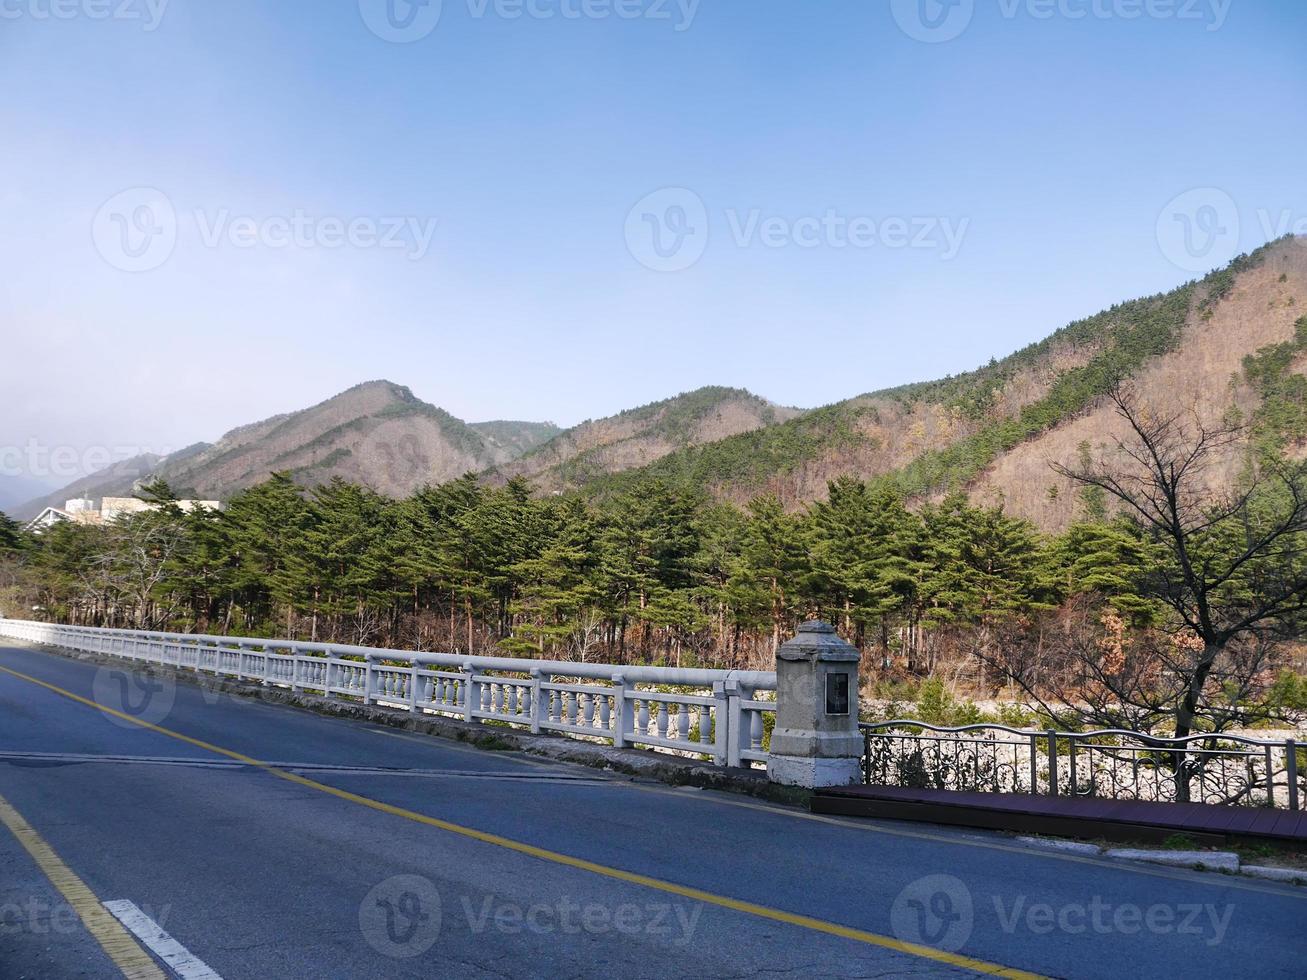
368,681
471,691
720,713
735,733
621,712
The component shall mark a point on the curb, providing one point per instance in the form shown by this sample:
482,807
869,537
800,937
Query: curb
1065,846
1226,861
1289,876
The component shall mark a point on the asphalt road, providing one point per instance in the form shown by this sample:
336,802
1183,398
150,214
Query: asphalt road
366,852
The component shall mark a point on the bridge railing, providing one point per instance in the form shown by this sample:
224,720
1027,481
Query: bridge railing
1222,769
716,715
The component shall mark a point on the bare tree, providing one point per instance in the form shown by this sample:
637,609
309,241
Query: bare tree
1232,559
1085,665
124,575
587,634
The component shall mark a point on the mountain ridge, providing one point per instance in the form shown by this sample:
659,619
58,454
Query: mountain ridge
932,436
992,431
637,436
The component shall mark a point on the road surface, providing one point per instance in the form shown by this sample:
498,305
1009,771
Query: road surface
186,834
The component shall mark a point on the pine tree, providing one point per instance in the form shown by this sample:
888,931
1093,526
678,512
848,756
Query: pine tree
267,525
11,535
862,543
775,561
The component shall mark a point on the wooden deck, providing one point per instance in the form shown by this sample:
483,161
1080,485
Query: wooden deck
1117,820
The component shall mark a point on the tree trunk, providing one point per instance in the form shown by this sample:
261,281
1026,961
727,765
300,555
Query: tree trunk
1187,711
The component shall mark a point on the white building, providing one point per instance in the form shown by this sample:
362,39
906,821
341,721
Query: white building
48,518
83,511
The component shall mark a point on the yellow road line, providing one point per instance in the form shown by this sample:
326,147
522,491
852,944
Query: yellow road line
958,839
127,954
695,894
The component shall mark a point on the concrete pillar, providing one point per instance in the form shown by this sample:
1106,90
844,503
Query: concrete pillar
816,740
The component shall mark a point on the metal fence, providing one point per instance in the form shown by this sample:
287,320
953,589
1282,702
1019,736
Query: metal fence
716,715
1231,770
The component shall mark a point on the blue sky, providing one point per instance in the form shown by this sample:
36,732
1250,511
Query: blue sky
857,207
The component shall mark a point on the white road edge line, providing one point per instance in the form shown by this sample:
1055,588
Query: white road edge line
178,958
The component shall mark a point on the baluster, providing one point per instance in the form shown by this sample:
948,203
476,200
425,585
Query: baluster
571,707
662,719
705,725
526,702
512,700
589,709
555,706
755,730
485,697
1270,778
605,712
642,719
499,699
683,723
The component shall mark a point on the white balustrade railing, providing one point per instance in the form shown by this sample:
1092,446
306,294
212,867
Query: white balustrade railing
714,714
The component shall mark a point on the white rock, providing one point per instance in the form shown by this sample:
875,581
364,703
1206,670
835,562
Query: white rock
1210,860
1293,876
1065,846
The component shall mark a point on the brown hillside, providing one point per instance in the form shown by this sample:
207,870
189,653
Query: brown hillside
376,434
995,430
1204,375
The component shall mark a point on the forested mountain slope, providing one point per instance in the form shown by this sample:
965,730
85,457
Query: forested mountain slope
995,430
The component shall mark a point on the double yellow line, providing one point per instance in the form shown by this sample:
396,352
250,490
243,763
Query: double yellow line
554,857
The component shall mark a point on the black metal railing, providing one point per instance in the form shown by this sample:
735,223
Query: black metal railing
1230,770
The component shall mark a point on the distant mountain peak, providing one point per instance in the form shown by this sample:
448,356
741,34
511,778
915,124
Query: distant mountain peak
377,433
636,437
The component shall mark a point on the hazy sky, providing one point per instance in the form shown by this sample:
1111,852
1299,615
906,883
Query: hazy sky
556,209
